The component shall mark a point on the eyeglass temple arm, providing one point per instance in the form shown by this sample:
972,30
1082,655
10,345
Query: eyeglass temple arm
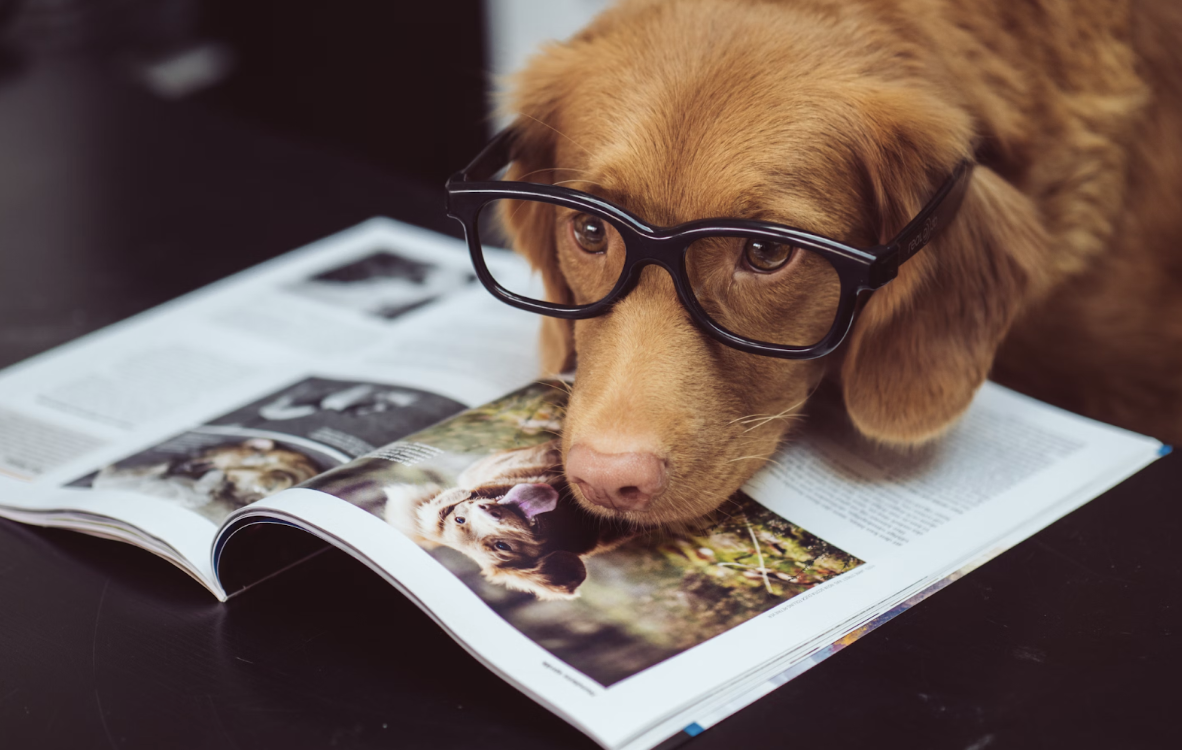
935,216
919,232
490,160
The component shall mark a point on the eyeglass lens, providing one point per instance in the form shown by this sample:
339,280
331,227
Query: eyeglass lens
590,252
774,293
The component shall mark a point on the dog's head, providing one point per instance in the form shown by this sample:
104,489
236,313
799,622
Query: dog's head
515,533
823,118
246,472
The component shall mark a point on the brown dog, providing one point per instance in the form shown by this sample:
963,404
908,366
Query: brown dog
1062,272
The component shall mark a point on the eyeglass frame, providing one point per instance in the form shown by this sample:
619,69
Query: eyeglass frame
858,269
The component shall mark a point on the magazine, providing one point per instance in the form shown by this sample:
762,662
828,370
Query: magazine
365,393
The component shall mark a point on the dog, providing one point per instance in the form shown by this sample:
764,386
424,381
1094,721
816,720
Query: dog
512,515
1061,274
216,481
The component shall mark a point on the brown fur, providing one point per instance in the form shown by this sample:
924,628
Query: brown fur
1062,273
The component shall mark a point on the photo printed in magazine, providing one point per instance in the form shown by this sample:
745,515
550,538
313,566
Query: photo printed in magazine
383,285
273,444
485,495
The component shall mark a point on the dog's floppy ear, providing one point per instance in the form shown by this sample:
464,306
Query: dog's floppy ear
536,95
530,230
556,576
925,342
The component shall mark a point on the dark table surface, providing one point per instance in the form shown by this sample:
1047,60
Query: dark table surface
112,202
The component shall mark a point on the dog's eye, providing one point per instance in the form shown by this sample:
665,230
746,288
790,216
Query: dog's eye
590,232
460,519
504,547
764,257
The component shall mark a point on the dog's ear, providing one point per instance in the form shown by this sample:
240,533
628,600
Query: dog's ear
924,343
535,98
529,227
556,576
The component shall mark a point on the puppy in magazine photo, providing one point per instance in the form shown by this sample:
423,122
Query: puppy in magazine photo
511,514
730,201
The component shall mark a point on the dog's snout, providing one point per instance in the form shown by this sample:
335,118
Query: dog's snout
619,481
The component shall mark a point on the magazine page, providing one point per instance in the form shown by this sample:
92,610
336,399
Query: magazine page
155,429
632,634
709,712
992,457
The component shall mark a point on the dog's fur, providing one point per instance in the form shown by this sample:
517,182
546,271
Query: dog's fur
545,554
1062,272
218,480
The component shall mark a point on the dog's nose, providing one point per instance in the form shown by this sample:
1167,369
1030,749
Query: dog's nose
620,481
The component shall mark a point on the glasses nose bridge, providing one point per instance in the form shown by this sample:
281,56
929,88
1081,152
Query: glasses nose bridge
661,250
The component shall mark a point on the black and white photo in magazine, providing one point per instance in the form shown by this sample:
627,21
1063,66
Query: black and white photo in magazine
383,285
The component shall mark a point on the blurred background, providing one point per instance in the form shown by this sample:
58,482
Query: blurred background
402,85
151,147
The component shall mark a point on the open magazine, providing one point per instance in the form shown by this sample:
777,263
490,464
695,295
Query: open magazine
365,393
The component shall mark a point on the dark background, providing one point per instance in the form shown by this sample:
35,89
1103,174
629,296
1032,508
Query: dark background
329,113
115,197
399,85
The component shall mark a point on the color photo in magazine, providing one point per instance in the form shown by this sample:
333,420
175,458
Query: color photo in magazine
484,494
272,444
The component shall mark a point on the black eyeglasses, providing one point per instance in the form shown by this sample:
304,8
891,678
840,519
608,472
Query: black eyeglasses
729,273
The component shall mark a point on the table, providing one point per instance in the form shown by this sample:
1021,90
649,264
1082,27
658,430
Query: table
112,202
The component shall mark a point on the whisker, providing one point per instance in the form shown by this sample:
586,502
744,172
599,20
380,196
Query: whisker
518,208
589,182
765,459
749,416
763,419
785,417
722,516
550,169
562,387
556,130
